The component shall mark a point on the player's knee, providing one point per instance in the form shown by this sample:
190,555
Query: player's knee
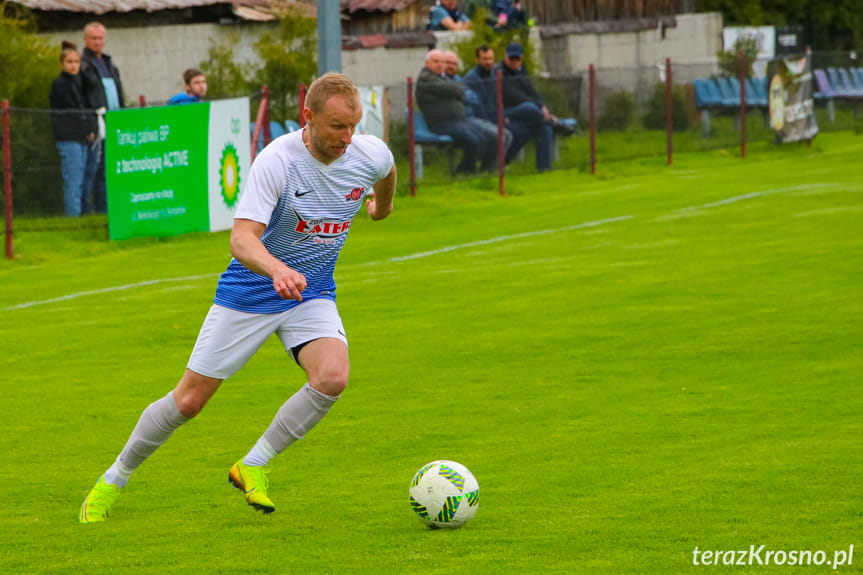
190,406
332,380
190,402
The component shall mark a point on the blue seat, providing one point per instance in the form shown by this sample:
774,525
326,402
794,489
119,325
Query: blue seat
422,133
291,126
713,88
735,87
825,90
756,96
276,130
730,97
839,88
704,96
857,73
849,84
424,136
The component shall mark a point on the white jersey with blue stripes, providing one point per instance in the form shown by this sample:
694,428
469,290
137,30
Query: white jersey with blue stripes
308,207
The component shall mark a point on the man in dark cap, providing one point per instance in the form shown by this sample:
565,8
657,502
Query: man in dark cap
523,105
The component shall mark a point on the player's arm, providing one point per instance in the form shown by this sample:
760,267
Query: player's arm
247,248
381,203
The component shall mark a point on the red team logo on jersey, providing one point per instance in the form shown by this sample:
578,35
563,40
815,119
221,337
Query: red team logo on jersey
355,195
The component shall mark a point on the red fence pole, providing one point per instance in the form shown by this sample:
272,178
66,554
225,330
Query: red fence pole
265,126
7,178
259,121
411,142
500,151
592,121
302,105
142,101
741,73
669,126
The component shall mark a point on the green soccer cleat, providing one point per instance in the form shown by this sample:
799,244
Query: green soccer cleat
100,498
253,481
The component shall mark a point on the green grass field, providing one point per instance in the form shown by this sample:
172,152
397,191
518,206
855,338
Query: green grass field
632,365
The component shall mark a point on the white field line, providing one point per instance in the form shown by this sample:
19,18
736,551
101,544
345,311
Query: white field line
808,187
760,194
107,290
507,238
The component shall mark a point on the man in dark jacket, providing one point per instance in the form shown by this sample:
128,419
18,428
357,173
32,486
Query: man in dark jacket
523,105
442,102
103,89
481,80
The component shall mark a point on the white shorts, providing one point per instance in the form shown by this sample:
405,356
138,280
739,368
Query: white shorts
229,338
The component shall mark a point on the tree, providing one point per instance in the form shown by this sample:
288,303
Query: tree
28,63
225,77
729,61
830,24
497,40
289,57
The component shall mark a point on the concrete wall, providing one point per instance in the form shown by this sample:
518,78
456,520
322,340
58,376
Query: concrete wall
152,59
695,40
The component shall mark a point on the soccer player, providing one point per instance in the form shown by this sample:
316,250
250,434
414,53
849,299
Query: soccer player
293,218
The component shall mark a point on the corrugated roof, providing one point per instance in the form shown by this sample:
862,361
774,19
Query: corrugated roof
352,6
253,9
104,6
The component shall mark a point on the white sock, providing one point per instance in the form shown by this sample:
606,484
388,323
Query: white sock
295,418
261,454
157,423
118,474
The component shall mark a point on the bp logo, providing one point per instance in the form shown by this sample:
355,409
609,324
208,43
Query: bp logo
229,175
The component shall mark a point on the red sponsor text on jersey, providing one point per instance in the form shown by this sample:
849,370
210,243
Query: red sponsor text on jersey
320,227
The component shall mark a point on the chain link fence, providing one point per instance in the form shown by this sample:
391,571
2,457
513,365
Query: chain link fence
634,110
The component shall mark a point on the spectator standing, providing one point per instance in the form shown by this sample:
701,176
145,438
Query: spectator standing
74,129
442,102
522,104
446,16
104,91
196,88
477,115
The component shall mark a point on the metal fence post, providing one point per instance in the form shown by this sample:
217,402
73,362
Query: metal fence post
261,117
669,125
302,121
741,73
592,91
411,142
7,178
500,151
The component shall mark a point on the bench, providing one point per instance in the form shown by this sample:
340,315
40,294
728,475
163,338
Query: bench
424,136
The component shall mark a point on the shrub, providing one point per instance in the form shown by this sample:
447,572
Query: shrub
655,118
617,112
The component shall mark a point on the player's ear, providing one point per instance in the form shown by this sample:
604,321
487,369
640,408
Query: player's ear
307,115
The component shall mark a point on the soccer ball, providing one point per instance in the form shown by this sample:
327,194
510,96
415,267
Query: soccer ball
444,494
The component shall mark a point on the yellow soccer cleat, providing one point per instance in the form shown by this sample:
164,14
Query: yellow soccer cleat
100,498
253,482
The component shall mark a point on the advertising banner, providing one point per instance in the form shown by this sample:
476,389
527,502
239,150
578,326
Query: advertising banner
229,156
372,98
175,169
791,104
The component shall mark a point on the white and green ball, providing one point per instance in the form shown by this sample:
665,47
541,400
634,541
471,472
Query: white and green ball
444,494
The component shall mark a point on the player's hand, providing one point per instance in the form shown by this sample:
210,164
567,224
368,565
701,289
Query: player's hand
376,212
289,283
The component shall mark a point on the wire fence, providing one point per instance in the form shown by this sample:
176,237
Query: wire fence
439,133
